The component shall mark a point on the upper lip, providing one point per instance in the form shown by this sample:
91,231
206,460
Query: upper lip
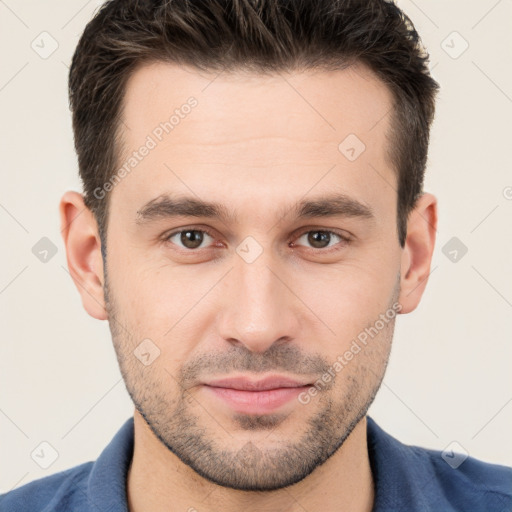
244,383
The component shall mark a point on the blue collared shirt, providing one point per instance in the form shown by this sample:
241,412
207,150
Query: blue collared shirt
407,478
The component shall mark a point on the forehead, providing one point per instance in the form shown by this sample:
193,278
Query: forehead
239,133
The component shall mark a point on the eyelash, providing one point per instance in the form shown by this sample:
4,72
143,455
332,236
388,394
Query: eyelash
344,239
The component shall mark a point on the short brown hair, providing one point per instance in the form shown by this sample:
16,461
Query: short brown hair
257,35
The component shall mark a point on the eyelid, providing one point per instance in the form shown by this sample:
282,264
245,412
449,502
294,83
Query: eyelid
166,236
342,234
346,239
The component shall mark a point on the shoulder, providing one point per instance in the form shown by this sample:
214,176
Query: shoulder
66,490
90,486
466,482
415,478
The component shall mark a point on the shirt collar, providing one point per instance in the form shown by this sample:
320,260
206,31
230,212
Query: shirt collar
399,471
106,489
398,474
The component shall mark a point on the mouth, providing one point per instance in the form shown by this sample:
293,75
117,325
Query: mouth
247,396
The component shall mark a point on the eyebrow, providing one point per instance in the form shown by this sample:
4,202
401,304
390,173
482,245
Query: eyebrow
334,205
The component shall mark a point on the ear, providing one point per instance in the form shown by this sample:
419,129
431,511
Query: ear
417,252
83,251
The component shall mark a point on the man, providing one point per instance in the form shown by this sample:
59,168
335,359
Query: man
253,220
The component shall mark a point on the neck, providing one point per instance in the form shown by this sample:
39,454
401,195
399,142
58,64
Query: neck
159,481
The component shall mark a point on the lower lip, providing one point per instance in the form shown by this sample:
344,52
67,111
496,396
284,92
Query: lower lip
256,402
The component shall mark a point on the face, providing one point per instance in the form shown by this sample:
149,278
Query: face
245,243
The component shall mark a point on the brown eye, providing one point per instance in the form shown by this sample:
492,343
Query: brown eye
319,239
188,238
322,239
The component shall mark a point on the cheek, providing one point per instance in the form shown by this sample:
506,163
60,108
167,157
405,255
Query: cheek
166,304
347,295
145,287
156,296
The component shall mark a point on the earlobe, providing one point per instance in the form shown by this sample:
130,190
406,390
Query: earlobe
417,253
83,251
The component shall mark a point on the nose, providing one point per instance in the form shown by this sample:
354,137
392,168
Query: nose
259,309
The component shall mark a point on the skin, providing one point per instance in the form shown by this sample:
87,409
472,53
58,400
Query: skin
256,146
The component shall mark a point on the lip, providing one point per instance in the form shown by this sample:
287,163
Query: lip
244,383
261,396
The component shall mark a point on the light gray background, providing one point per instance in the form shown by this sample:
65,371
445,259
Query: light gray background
449,376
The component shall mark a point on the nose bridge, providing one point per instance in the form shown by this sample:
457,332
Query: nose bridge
258,312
